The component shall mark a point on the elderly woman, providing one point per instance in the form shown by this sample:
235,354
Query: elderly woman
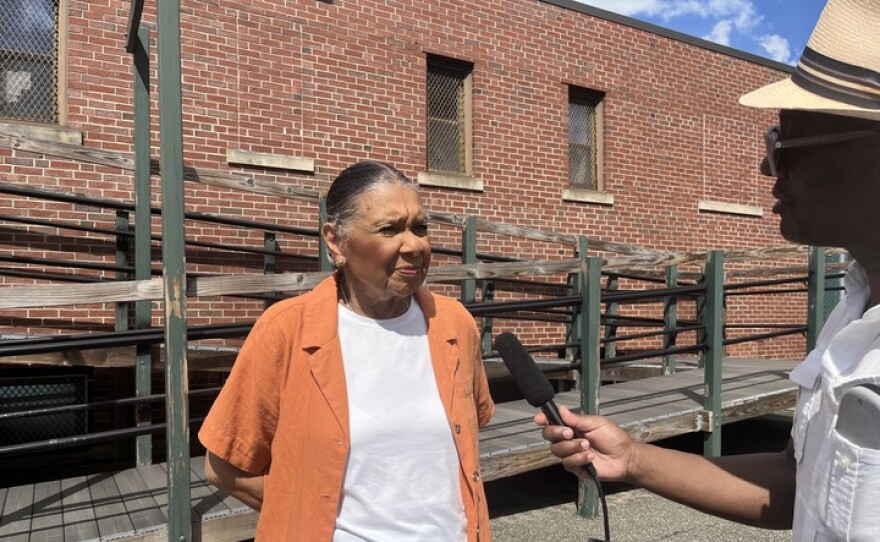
353,411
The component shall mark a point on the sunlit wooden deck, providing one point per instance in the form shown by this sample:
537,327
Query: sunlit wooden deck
131,505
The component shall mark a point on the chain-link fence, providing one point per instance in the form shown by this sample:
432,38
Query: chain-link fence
446,118
29,60
34,393
582,141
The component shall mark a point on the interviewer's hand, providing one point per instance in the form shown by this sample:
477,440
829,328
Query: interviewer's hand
608,447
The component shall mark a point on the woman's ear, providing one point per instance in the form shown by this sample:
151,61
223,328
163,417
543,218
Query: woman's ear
332,240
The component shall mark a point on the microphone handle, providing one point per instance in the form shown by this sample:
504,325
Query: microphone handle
552,412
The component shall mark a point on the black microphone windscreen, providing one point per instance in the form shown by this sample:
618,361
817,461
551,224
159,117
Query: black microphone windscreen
528,377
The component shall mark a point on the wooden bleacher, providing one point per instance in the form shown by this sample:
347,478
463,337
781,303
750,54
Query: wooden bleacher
131,505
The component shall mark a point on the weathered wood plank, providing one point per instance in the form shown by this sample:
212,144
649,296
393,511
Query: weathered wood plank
156,479
143,510
79,515
230,528
110,513
54,295
47,514
125,161
15,521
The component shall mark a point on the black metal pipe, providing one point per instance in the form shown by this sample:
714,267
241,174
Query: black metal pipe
766,292
630,295
74,227
10,272
142,337
620,338
67,263
801,329
763,326
483,309
654,353
769,282
88,406
634,276
91,438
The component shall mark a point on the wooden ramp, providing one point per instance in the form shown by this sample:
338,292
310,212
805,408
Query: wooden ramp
129,505
132,505
649,409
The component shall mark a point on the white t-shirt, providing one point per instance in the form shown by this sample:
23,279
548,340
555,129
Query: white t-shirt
402,478
838,483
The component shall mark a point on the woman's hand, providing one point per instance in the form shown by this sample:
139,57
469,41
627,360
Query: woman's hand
608,447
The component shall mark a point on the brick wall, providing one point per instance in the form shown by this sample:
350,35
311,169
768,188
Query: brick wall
343,81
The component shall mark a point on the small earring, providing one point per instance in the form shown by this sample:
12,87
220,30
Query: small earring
339,262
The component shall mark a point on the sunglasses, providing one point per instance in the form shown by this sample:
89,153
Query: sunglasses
775,145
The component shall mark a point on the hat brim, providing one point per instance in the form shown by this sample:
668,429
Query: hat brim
786,94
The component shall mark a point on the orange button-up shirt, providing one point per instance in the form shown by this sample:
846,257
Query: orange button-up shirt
284,411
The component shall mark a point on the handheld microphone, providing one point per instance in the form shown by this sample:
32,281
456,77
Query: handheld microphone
538,392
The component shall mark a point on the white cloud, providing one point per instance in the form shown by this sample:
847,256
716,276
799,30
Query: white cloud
720,32
741,12
776,47
632,7
732,21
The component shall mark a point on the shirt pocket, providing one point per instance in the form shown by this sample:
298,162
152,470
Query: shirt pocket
849,495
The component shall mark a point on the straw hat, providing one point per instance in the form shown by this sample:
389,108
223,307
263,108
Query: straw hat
839,70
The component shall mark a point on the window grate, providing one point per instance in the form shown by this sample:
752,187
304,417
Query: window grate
447,118
583,171
29,60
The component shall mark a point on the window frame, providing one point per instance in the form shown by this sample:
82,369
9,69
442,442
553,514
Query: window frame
578,95
466,69
61,48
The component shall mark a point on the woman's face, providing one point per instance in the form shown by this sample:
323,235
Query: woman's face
386,249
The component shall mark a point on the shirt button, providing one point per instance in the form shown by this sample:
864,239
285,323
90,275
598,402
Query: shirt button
458,428
338,442
476,476
844,462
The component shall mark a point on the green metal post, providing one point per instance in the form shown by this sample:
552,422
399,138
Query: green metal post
122,258
610,312
324,263
815,296
270,244
469,255
488,290
120,322
174,272
573,335
670,319
591,299
143,315
713,320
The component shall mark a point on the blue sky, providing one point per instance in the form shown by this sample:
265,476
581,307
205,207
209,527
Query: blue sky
776,29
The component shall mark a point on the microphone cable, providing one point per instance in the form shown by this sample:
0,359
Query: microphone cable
605,523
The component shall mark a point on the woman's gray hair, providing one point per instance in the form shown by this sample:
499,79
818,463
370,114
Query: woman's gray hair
343,196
